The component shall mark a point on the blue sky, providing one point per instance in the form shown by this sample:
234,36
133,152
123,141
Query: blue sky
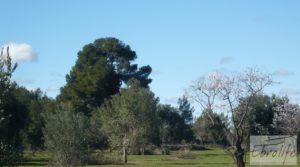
181,40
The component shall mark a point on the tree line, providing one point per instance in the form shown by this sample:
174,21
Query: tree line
107,104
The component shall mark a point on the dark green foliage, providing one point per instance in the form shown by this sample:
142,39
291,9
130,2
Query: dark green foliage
208,132
6,70
10,155
14,108
6,117
39,104
24,124
66,137
173,127
9,140
99,71
263,109
259,120
185,110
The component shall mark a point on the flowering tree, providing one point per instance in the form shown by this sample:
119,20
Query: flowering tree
220,90
287,118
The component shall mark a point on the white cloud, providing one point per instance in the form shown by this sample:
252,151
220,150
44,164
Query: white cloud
282,73
20,52
226,60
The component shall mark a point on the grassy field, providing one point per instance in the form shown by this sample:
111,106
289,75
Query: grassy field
207,158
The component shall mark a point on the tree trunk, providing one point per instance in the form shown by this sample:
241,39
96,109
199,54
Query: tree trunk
239,153
124,155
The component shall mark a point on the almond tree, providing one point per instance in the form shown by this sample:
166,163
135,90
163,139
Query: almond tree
218,89
287,118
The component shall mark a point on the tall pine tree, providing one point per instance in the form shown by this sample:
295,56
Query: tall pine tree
100,70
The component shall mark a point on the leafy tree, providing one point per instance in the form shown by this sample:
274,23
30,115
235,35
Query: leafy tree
260,117
9,149
208,132
101,68
25,123
9,155
130,117
38,105
173,127
185,110
66,137
6,70
14,107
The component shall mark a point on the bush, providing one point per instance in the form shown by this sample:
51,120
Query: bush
165,150
152,150
9,155
177,147
104,158
66,137
185,153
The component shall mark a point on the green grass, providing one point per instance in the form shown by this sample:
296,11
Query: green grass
207,158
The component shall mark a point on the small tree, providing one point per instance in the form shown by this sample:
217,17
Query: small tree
287,118
10,154
208,132
172,125
185,110
66,137
6,70
218,89
173,128
130,117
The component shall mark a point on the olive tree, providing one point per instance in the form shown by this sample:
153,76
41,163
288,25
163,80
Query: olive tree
66,137
219,90
130,117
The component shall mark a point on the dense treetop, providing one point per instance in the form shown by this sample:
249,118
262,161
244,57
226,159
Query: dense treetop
100,70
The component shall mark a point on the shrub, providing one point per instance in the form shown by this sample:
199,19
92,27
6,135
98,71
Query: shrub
165,150
185,153
104,158
66,137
